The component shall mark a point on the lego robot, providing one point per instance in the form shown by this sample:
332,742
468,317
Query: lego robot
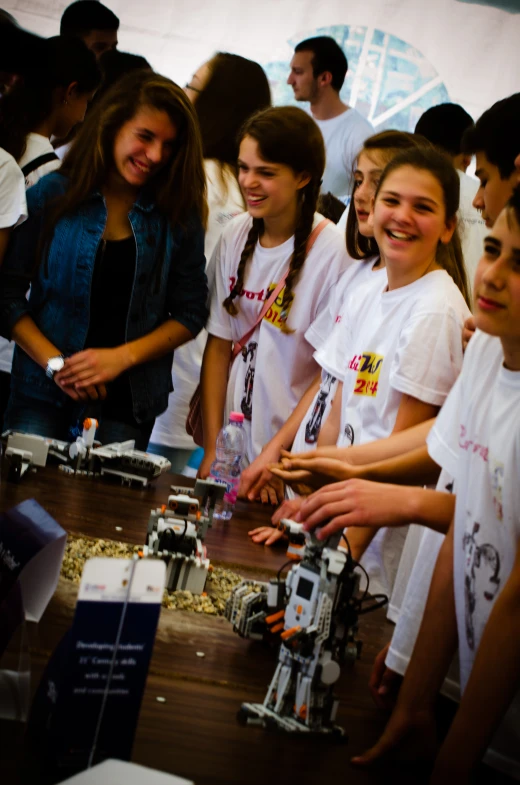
84,456
176,534
315,612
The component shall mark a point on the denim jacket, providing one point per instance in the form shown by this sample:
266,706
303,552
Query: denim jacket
169,282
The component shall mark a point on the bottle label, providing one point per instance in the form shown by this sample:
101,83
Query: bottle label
231,485
231,493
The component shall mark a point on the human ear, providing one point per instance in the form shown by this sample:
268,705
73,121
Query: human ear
70,92
449,229
303,179
325,78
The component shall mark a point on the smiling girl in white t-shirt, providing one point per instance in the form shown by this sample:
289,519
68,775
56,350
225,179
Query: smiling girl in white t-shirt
399,351
281,161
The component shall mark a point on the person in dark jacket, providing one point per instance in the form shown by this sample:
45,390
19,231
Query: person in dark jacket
113,250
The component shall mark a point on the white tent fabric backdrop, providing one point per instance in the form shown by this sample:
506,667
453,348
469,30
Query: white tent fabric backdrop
404,55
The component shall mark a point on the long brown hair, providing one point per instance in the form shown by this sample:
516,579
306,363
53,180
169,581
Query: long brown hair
429,159
236,89
285,135
178,189
387,144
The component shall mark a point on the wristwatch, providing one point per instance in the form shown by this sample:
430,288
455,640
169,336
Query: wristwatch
54,364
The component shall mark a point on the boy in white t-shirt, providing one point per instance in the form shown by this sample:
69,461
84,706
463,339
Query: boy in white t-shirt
318,70
475,590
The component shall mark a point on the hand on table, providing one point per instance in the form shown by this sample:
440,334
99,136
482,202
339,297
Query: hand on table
409,736
273,491
269,535
257,475
266,535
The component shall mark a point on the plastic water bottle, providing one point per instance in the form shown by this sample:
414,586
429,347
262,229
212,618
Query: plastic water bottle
226,469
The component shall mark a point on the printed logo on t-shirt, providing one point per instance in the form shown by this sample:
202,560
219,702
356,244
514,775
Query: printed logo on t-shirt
477,557
313,427
249,295
274,313
368,366
248,354
349,433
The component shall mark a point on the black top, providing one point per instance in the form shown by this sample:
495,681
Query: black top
112,282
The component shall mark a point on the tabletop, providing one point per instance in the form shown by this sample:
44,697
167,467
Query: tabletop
194,733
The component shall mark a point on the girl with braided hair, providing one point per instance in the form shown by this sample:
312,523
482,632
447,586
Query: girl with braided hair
281,162
303,427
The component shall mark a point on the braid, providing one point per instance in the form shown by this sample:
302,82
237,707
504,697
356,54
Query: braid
252,239
301,236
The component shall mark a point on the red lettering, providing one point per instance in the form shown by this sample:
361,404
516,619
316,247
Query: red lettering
360,386
470,445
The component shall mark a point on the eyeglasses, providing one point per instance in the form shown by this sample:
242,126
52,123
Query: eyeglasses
190,87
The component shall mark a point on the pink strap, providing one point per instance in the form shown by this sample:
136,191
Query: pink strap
238,346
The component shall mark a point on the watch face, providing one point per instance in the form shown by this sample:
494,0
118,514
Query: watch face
56,364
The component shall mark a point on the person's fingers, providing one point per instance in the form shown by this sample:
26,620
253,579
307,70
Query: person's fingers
94,378
78,376
334,492
275,536
246,480
102,391
263,535
70,371
281,512
257,486
264,495
272,495
336,524
91,391
386,744
330,505
378,668
257,530
72,393
299,456
290,476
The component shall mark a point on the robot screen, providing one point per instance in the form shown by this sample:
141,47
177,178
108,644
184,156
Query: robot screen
305,588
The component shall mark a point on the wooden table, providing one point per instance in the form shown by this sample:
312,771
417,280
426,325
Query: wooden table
194,733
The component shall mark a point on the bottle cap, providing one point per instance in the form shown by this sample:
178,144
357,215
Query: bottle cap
236,417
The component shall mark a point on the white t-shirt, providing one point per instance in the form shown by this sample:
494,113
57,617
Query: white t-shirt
270,376
425,547
317,334
224,202
392,343
485,416
404,341
343,136
472,228
13,210
37,145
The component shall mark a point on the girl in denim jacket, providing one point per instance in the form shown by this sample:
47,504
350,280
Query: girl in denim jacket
113,250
